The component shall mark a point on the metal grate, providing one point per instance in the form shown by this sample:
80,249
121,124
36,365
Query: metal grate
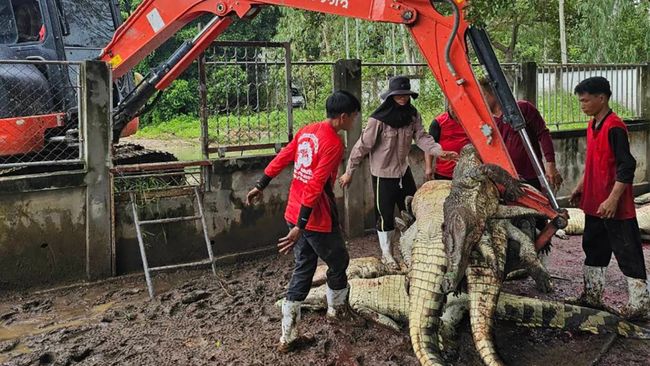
247,104
39,124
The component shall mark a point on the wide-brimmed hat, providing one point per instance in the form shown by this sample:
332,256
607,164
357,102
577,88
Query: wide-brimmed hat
399,85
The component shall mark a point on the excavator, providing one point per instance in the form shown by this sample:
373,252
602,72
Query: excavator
438,27
40,41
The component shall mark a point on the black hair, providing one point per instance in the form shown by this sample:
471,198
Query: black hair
594,85
341,102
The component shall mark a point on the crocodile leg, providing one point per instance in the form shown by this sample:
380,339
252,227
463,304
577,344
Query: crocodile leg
456,308
378,318
528,257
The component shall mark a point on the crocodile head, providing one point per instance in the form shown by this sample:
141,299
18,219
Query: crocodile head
460,233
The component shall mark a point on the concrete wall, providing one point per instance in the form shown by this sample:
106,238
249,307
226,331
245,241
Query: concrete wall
233,227
42,230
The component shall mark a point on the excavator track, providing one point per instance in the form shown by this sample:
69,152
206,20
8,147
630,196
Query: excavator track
123,154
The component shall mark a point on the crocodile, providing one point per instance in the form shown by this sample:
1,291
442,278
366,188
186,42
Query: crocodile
366,267
385,300
473,200
428,265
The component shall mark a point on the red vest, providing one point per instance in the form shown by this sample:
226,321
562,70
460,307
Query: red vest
452,138
600,171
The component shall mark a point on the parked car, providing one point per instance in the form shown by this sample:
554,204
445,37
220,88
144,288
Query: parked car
297,98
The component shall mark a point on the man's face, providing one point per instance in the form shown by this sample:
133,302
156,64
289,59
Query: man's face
490,99
591,104
348,120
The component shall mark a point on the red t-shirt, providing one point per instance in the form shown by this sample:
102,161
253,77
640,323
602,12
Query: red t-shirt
537,127
600,171
316,153
451,137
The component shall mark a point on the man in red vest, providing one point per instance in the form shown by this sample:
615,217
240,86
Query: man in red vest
605,195
316,153
452,137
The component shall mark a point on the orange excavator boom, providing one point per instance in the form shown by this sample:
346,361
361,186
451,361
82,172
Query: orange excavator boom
440,38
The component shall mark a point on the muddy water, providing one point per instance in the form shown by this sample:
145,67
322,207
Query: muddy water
198,319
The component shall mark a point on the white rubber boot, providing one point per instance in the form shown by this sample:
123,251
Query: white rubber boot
594,285
290,319
638,304
337,303
385,243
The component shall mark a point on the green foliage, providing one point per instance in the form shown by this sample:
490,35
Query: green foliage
180,98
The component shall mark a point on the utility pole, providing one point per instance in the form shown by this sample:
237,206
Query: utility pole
563,51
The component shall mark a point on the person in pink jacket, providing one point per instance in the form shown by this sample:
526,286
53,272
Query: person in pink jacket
387,140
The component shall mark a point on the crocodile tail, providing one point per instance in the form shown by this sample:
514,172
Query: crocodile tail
483,287
554,314
426,297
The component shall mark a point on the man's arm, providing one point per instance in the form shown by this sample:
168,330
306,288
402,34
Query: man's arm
279,162
543,136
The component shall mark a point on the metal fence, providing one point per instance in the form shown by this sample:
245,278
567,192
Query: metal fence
39,124
560,107
246,95
258,98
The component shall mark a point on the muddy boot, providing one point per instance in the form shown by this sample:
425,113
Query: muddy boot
385,243
337,304
594,285
638,304
290,319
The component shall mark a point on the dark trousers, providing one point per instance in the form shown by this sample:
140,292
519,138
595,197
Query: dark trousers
437,176
388,193
330,247
622,237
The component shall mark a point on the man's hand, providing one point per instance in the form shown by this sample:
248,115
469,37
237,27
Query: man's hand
553,176
607,209
576,195
345,180
255,195
449,155
428,174
285,244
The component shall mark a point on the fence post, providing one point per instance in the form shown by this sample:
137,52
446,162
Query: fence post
95,122
527,88
644,92
644,99
347,76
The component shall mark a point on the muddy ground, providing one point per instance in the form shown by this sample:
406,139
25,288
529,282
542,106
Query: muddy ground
197,319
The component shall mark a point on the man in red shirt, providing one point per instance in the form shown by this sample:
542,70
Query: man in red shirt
540,138
605,195
316,153
452,137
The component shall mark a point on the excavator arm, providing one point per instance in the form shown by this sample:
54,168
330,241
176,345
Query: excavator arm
441,39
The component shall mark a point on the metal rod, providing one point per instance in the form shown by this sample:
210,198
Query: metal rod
169,220
159,166
143,253
181,265
39,163
205,231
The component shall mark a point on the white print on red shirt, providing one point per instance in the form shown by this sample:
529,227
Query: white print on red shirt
307,148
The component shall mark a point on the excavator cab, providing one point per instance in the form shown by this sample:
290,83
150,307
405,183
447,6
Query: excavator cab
49,30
